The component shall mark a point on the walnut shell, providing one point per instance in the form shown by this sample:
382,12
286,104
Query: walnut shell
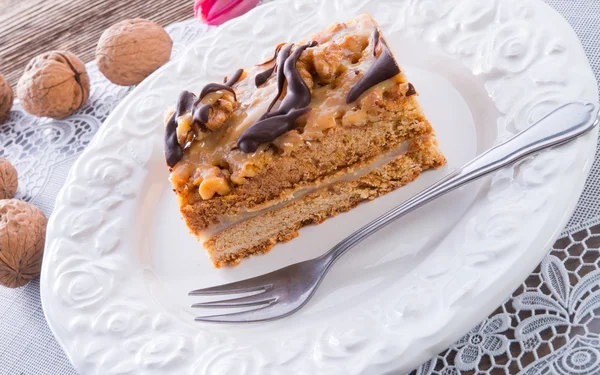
131,50
22,235
8,179
6,98
54,84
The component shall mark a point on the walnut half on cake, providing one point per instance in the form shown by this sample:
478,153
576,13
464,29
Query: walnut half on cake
320,127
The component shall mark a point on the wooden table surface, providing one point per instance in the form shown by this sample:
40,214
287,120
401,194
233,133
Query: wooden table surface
31,27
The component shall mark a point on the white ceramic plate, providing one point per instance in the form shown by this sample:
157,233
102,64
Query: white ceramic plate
119,261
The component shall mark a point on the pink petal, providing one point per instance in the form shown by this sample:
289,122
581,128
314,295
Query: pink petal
215,12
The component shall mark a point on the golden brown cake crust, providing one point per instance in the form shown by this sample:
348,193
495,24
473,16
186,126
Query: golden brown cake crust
326,202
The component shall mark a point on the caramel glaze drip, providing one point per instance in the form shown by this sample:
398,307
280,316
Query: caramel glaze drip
384,68
173,151
187,101
273,124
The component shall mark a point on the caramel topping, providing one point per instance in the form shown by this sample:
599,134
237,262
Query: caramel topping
302,94
385,67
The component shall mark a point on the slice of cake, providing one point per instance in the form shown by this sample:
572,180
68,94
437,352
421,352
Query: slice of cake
313,131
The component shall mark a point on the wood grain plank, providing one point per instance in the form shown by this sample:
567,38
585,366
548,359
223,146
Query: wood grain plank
29,28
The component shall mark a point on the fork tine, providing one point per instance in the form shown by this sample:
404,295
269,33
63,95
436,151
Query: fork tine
249,316
243,286
253,300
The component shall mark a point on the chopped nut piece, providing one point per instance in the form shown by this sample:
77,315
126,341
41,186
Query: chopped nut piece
372,101
355,118
304,70
327,61
305,66
214,181
288,141
353,46
246,170
221,111
184,125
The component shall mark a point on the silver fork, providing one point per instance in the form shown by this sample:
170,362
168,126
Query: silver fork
285,291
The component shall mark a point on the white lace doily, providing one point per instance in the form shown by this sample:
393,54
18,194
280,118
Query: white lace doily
550,325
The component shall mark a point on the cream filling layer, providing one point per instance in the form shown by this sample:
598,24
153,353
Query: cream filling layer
289,196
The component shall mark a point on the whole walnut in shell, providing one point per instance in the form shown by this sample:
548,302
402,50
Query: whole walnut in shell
54,84
22,235
6,98
131,50
8,179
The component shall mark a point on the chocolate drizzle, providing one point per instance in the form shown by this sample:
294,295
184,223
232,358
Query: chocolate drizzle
235,78
213,87
262,77
273,124
173,151
375,41
298,94
200,114
385,67
281,58
268,129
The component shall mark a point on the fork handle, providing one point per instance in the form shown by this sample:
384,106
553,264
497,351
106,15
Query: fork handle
560,126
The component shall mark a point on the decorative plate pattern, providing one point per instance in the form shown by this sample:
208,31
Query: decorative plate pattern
96,294
549,325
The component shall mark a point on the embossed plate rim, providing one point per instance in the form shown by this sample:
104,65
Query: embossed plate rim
154,342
